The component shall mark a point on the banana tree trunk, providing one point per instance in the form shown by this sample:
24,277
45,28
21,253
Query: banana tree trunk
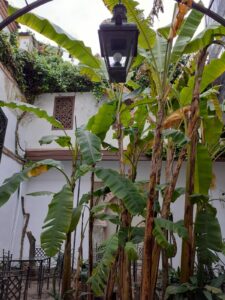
146,286
188,251
124,263
90,234
66,277
111,279
165,214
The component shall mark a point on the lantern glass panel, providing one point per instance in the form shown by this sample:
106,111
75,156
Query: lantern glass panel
118,42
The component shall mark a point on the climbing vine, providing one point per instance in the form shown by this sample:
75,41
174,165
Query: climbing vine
39,72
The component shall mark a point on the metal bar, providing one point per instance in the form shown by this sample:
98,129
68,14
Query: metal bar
21,12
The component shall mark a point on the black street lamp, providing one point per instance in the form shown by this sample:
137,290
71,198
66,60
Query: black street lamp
118,44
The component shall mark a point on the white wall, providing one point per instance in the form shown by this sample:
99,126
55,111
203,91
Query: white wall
85,106
52,181
11,219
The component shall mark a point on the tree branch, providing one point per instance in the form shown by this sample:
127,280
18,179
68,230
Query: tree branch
21,12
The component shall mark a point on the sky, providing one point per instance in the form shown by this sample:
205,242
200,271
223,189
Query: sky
81,18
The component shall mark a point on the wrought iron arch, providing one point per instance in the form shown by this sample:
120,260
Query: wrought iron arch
3,126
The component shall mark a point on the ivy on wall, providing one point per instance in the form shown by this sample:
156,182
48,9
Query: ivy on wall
37,73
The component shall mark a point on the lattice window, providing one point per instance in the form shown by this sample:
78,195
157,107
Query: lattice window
63,111
3,126
39,252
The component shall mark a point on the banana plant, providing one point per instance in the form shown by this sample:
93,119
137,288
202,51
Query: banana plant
62,218
161,61
172,103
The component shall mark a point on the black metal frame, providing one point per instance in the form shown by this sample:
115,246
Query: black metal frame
3,127
118,36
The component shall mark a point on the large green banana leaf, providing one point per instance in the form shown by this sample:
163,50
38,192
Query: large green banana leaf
213,129
203,170
177,136
205,38
100,274
90,146
185,34
57,222
61,140
75,47
10,185
123,189
208,236
40,113
100,123
147,35
211,72
159,52
177,227
91,73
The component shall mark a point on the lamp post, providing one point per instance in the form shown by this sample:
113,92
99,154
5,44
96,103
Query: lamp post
118,44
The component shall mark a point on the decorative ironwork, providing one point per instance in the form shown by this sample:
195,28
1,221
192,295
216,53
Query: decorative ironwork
39,252
63,111
11,288
3,126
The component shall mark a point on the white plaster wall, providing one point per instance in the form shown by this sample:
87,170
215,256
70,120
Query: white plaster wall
51,181
9,91
11,219
38,206
85,106
26,43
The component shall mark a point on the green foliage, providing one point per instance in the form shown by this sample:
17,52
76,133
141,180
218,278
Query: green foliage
100,274
211,72
163,242
40,113
76,213
192,290
100,123
57,221
10,185
90,146
131,251
186,32
177,136
41,72
75,47
41,193
203,170
205,38
108,217
63,141
212,136
208,236
124,189
177,227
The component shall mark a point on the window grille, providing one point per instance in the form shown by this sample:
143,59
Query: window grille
63,111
